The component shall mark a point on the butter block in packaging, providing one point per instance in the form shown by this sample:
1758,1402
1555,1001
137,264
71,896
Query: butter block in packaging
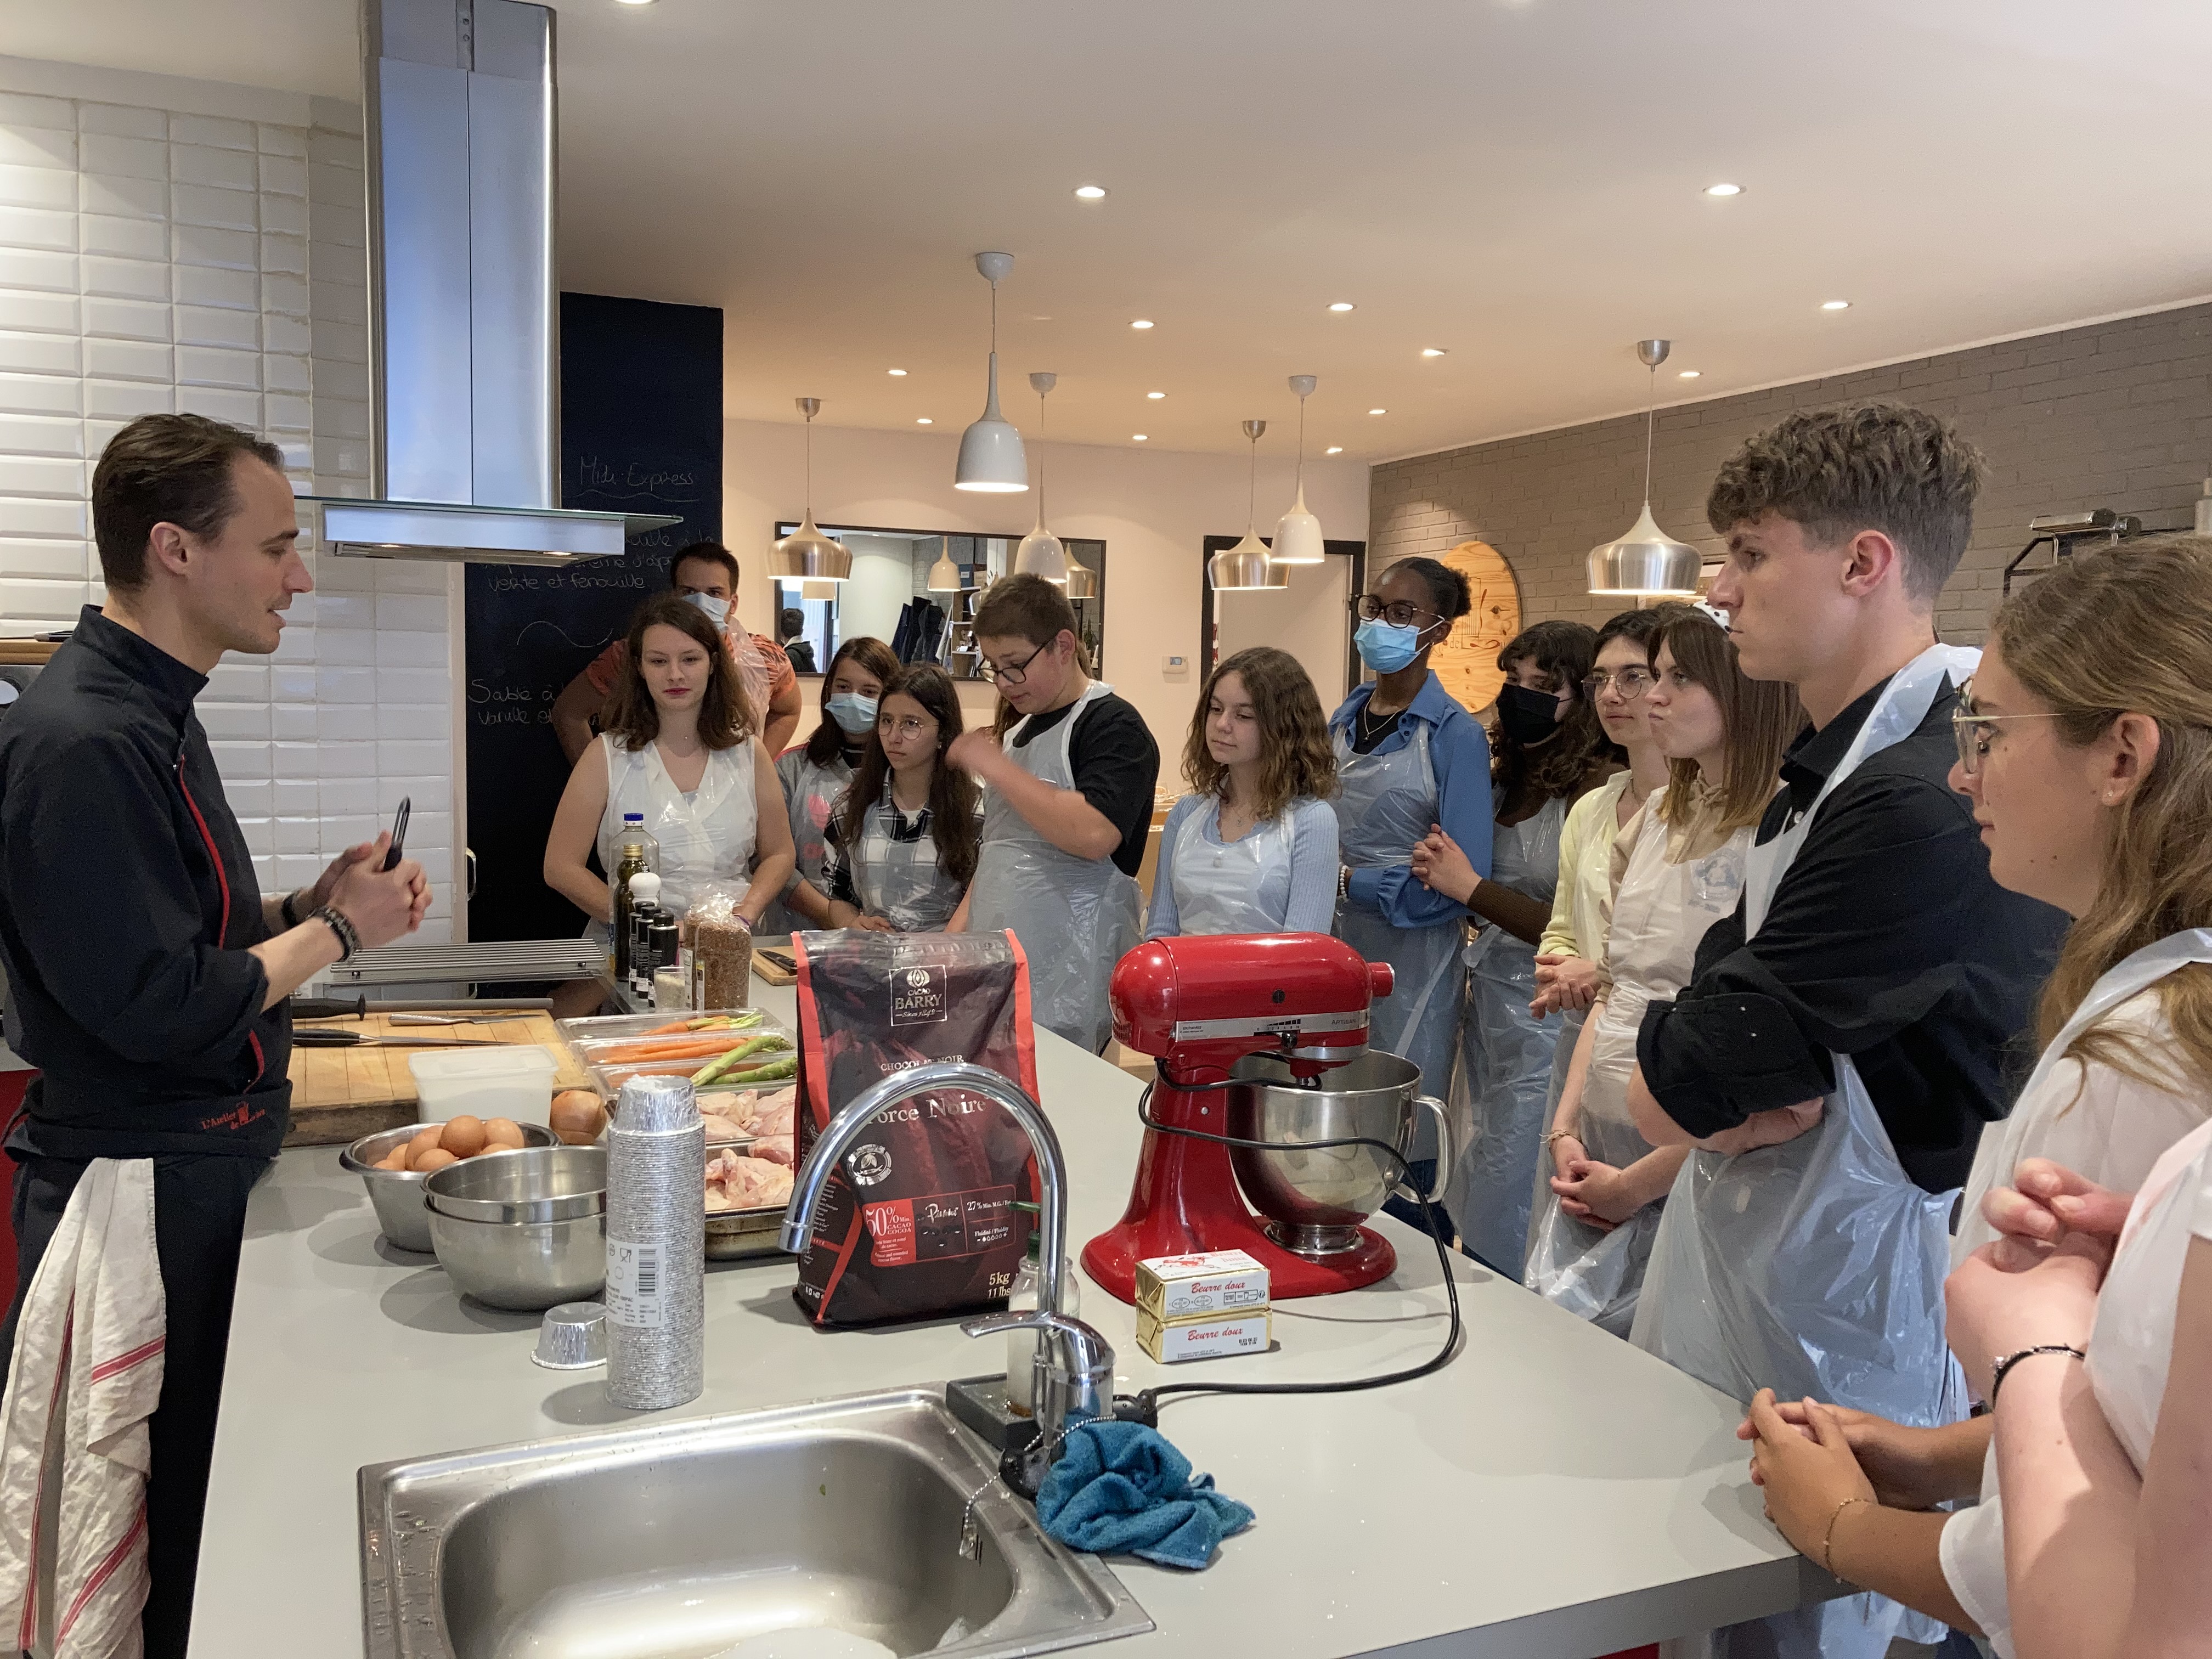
1169,1343
1173,1287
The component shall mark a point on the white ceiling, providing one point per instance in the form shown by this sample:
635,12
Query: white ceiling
1518,181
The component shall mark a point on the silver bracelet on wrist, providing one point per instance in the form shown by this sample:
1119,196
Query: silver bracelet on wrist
349,940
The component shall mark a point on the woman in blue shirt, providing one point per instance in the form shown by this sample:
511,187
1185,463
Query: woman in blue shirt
1408,757
1252,849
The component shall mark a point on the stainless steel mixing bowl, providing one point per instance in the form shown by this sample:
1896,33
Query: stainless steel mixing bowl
397,1195
1315,1198
525,1230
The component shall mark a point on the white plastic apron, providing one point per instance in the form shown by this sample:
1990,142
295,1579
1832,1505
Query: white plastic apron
1503,1072
899,880
1660,913
1816,1268
1384,803
810,794
1075,917
1227,888
707,838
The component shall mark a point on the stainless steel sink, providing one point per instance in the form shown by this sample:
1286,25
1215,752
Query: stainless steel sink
678,1540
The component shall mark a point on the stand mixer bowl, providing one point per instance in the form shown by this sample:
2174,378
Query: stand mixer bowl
1314,1199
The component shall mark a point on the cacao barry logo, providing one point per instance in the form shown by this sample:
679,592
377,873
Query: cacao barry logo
918,996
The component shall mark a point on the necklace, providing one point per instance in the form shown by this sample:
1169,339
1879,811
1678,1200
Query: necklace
1372,725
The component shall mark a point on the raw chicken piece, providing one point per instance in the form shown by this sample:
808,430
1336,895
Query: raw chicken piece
722,1130
735,1181
776,1149
770,1114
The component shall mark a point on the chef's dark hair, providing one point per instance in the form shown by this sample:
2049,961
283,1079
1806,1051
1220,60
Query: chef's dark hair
714,551
1449,596
166,469
954,797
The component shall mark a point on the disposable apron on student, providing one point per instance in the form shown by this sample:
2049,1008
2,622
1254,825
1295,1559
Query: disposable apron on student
1075,917
707,838
1236,887
899,880
811,793
1659,912
1816,1268
1503,1072
1385,803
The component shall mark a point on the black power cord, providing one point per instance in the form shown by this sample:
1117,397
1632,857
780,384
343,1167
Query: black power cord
1144,1406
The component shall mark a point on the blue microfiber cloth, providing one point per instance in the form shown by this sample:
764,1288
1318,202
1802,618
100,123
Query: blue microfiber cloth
1122,1489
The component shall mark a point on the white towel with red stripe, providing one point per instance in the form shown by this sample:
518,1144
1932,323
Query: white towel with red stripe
74,1444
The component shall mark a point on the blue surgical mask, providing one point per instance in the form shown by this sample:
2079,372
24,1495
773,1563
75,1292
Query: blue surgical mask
855,716
718,610
1386,648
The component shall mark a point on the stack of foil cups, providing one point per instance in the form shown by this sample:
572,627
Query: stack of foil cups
656,1292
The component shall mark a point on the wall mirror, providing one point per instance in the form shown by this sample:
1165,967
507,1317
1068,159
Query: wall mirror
916,591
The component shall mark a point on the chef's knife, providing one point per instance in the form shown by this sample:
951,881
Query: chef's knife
318,1037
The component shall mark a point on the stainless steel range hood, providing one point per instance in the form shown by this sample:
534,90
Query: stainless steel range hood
463,319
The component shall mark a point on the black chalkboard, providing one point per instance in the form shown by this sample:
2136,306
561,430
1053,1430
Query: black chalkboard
641,432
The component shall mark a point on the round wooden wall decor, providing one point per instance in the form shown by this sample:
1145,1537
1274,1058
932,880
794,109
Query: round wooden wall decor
1466,663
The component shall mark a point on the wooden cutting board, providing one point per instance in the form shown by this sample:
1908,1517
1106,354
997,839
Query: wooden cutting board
339,1095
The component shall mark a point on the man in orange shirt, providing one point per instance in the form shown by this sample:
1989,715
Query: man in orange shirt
705,572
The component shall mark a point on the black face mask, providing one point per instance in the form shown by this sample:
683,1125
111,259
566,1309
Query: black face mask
1527,717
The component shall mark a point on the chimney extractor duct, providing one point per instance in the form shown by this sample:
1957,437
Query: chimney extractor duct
464,320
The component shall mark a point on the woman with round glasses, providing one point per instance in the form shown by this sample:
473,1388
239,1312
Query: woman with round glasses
900,848
1408,757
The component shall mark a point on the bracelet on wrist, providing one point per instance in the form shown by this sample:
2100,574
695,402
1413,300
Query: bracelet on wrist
1560,1134
2003,1367
1828,1542
286,907
335,920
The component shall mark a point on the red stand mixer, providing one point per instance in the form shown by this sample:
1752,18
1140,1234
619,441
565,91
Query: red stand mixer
1262,1036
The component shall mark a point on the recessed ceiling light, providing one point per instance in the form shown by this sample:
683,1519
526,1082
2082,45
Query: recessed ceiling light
1689,374
895,371
1339,305
1141,322
1378,411
1138,437
1835,304
1156,394
1334,449
1723,190
1090,192
1432,351
923,419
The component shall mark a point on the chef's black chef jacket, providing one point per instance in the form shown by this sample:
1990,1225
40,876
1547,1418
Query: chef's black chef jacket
127,904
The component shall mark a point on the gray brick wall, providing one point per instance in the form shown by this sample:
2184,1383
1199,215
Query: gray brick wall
2113,415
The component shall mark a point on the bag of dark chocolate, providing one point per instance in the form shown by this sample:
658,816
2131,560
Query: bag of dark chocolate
919,1220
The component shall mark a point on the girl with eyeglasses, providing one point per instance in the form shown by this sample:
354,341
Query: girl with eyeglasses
900,850
1252,848
816,772
1550,751
1407,757
2085,749
1677,867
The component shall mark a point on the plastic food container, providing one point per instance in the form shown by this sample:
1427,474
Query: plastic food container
591,1039
515,1082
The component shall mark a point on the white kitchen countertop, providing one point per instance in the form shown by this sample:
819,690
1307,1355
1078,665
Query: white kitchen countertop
1552,1494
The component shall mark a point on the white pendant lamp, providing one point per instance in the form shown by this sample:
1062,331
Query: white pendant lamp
1297,532
807,555
991,458
1041,553
945,575
1646,561
1246,566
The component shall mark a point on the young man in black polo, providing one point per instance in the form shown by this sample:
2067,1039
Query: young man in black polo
147,977
1846,1034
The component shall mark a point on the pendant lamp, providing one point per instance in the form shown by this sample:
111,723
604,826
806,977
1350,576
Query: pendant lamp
990,457
945,575
1246,565
1297,532
1041,553
806,553
1082,580
1647,561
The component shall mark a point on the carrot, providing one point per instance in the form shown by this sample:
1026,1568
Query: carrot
618,1053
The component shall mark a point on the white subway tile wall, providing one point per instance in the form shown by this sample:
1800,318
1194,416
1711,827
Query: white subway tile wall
152,261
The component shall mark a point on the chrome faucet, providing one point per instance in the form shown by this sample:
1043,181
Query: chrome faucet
1074,1376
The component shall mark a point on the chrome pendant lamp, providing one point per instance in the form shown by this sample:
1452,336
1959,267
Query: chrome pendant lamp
1297,532
1041,553
1246,566
1646,561
991,458
807,555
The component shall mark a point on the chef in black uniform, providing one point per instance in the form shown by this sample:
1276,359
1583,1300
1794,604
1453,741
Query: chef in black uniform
147,977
